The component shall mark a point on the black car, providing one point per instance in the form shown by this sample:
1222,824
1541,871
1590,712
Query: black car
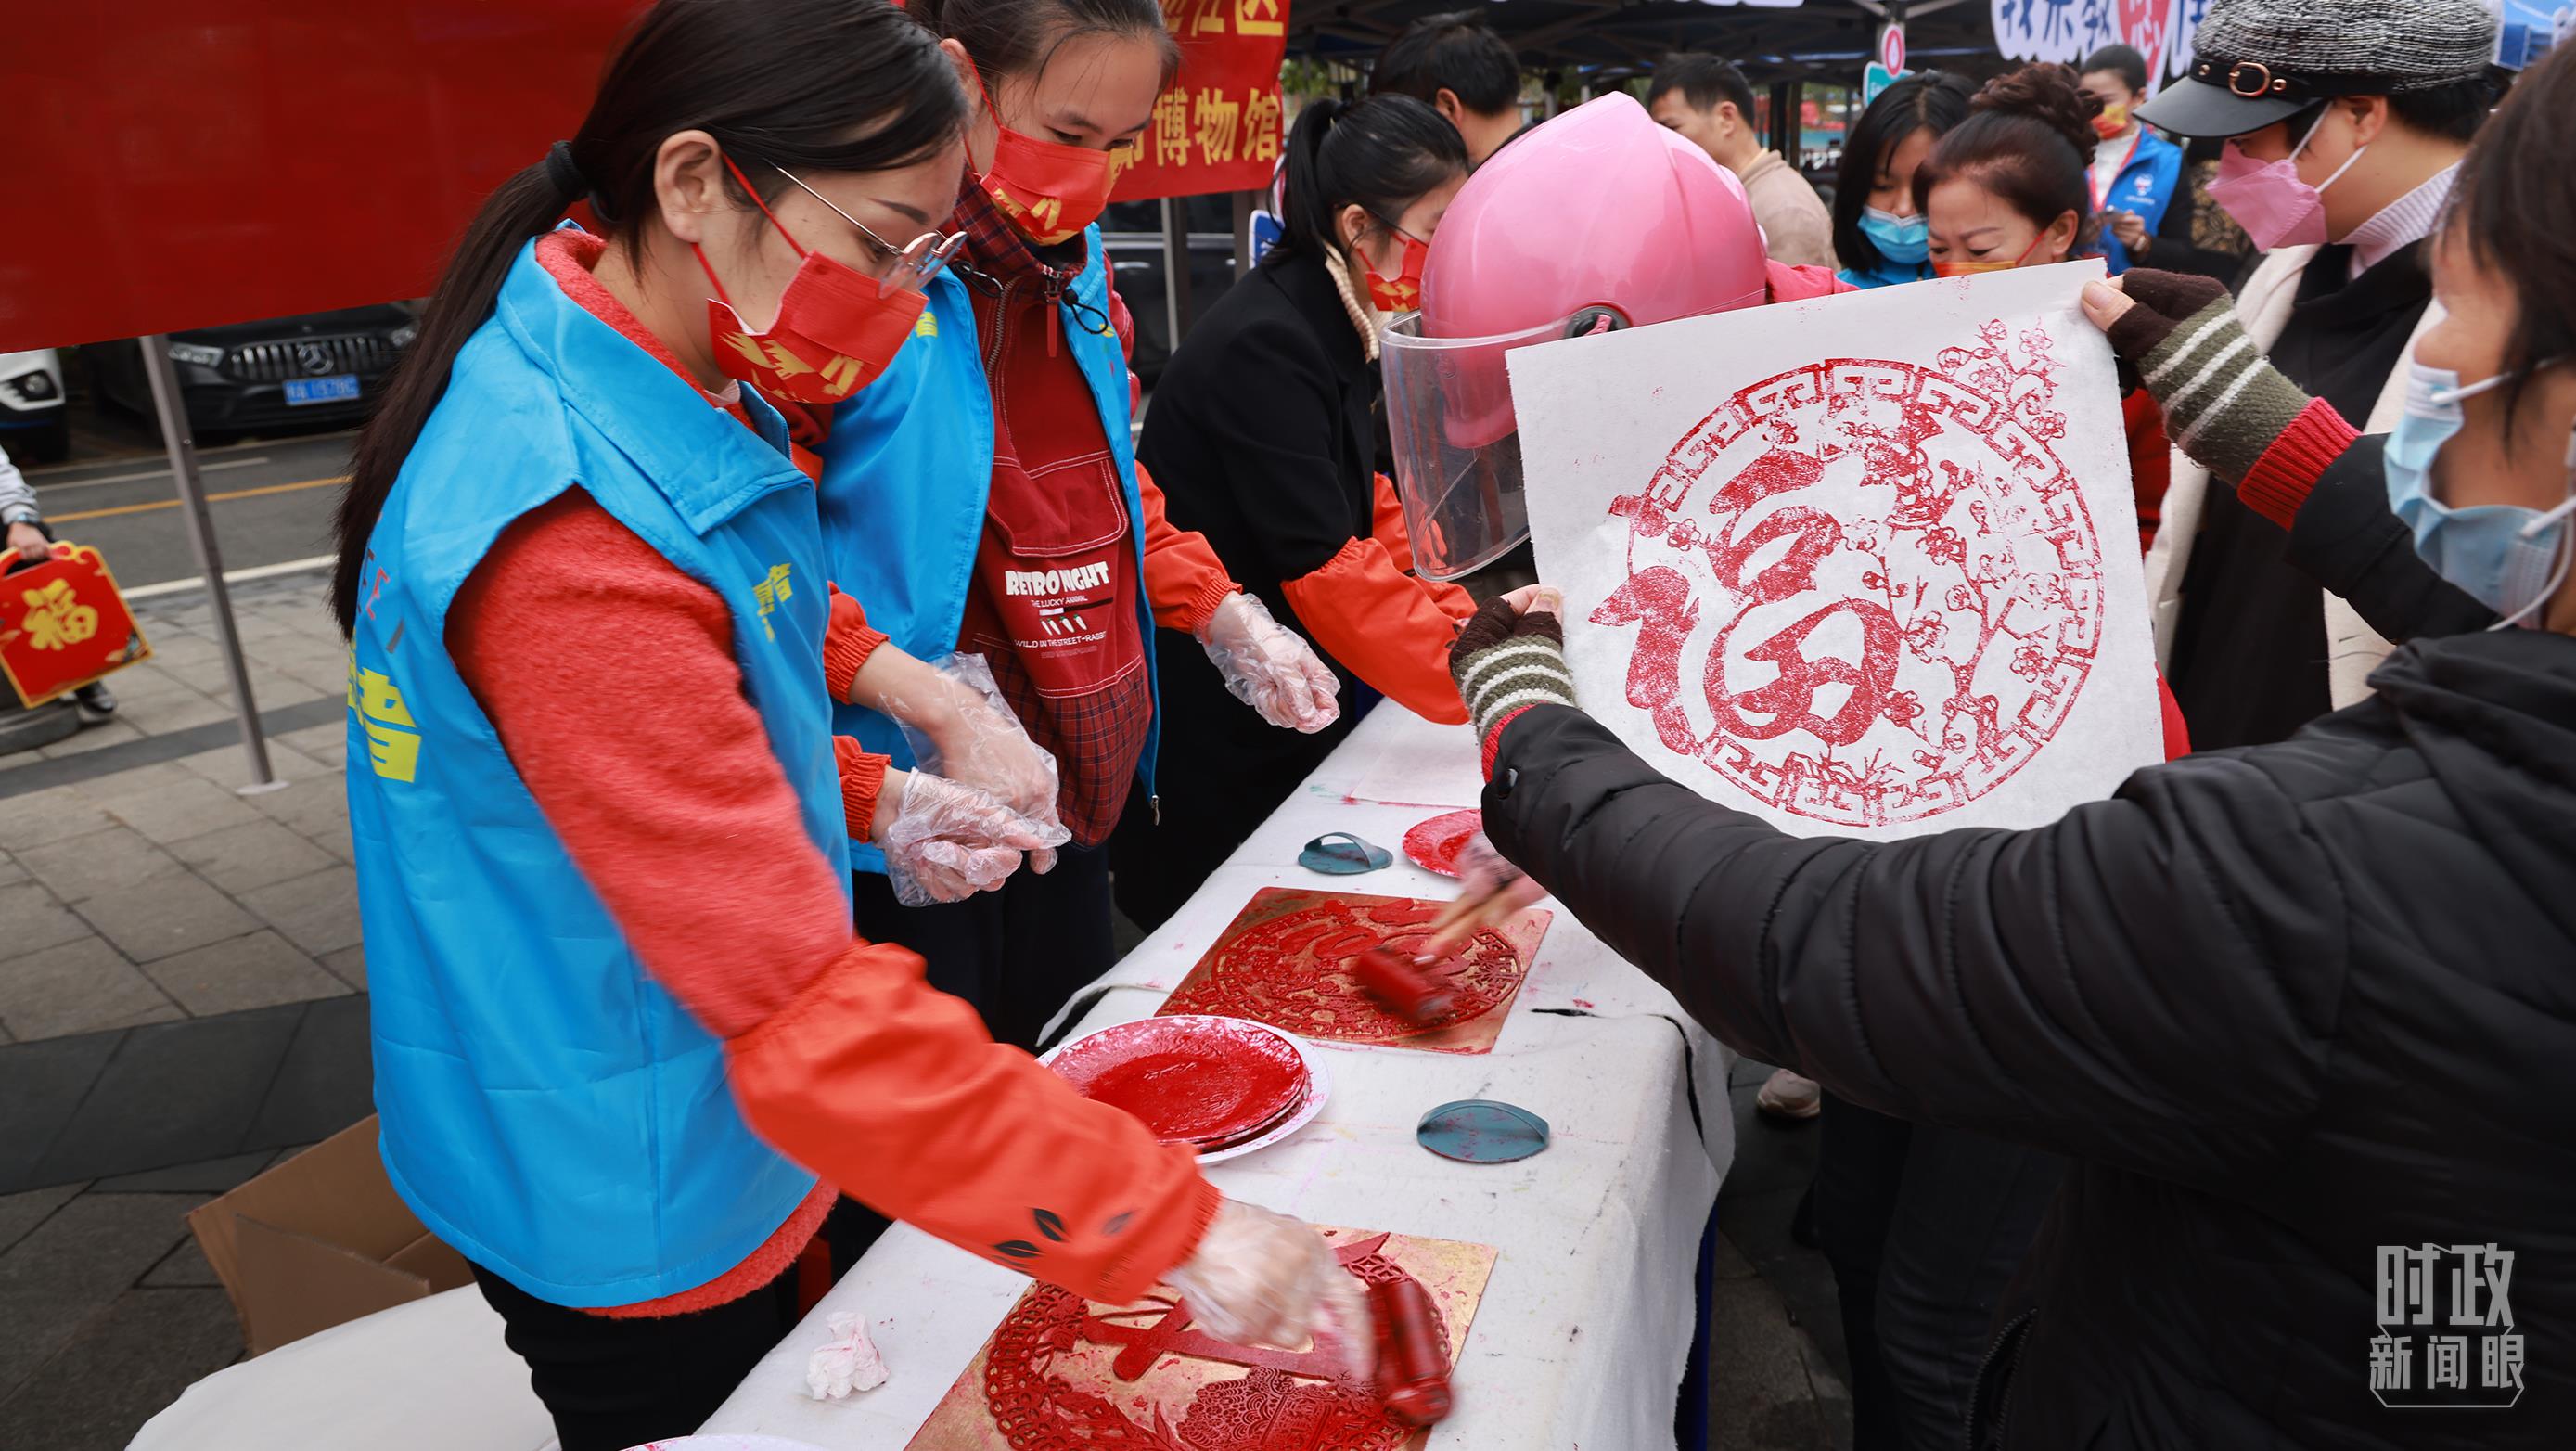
321,368
1132,234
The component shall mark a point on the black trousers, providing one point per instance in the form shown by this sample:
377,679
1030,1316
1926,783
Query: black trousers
1924,1227
1018,953
611,1384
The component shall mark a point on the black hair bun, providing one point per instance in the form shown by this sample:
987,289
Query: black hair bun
2047,93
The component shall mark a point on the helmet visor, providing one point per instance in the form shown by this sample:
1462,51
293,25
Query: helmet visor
1457,444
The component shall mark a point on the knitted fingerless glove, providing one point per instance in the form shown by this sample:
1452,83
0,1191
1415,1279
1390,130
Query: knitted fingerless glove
2224,403
1505,663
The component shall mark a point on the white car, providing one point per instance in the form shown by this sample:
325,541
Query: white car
32,425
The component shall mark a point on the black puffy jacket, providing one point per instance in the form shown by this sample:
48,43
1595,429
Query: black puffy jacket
2283,1005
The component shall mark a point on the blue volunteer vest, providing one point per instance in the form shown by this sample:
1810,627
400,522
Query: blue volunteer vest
548,1109
2146,185
908,468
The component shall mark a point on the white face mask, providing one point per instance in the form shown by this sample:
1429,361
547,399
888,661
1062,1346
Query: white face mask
2509,558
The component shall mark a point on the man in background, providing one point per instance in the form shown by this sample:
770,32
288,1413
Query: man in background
1708,101
1455,64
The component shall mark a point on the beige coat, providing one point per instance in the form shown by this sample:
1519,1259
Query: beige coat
2353,649
1797,230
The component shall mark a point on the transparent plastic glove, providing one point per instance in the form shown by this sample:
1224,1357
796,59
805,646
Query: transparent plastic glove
1261,1278
1269,668
972,737
1490,890
847,1362
944,842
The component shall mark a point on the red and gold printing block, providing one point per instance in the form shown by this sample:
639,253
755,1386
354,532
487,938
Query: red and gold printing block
1287,960
63,625
1066,1374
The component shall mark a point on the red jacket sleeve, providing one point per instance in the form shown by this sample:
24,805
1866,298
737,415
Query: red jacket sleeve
838,1051
1385,626
1184,580
847,643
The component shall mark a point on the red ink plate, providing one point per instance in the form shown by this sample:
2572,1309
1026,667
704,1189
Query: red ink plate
1208,1082
1434,845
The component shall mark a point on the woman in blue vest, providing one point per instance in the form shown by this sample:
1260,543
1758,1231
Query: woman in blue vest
2135,173
1878,233
986,499
627,1051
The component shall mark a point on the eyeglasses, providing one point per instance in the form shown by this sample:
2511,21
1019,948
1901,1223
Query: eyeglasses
924,258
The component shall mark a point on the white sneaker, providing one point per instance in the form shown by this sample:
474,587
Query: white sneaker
1785,1095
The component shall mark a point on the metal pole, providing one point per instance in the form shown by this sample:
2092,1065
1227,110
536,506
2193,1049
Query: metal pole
1176,269
173,412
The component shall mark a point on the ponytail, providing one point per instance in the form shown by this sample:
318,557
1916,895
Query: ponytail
1378,154
804,85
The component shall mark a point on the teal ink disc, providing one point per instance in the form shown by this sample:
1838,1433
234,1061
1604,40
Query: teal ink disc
1340,854
1481,1131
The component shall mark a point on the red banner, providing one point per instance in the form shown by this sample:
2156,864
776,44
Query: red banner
63,625
1219,126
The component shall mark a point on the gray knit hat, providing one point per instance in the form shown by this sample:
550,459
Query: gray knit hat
2258,61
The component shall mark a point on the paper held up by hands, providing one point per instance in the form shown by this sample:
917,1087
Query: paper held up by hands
1863,566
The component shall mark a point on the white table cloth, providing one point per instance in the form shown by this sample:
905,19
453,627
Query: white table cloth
1581,1335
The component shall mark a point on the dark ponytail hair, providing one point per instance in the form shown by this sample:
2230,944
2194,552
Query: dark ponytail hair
809,85
2030,141
1019,37
1933,101
1380,153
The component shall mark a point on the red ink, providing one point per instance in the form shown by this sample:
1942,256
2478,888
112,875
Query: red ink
1414,991
1434,845
1895,661
1189,1080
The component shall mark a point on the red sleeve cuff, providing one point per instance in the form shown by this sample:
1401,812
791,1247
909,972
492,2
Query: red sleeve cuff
1193,616
847,643
862,781
1494,739
2281,479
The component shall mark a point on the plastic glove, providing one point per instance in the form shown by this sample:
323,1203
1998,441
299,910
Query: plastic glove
1264,1278
944,842
971,736
1491,889
1269,668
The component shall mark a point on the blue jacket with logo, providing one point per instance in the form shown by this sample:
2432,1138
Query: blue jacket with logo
2146,186
548,1109
907,470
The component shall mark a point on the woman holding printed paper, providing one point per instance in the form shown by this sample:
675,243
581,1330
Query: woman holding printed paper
1263,432
2282,1007
628,1054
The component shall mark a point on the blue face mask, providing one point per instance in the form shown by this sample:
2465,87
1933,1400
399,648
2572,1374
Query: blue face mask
1903,240
2507,557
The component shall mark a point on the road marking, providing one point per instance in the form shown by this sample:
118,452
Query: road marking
230,463
231,576
210,498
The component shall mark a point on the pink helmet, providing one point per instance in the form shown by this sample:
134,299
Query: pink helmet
1597,220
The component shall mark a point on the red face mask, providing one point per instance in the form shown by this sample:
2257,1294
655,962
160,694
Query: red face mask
1049,190
1403,291
837,330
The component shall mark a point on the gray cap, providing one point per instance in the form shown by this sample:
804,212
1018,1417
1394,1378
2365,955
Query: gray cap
2258,61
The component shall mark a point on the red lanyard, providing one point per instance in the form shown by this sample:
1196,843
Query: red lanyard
2102,194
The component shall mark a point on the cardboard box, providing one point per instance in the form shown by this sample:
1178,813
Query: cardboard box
319,1240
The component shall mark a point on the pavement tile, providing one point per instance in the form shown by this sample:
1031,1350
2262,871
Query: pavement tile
190,806
38,817
310,806
42,1085
92,738
11,874
69,1270
318,913
81,867
78,987
257,971
336,840
20,1213
145,679
326,1080
174,1093
132,781
228,765
166,916
253,854
349,965
165,714
328,744
174,646
186,1268
123,1367
31,920
207,1177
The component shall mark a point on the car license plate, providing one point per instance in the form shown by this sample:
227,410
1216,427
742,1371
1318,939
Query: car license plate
338,388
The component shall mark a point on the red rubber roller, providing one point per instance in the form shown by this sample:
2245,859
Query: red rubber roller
1411,988
1412,1355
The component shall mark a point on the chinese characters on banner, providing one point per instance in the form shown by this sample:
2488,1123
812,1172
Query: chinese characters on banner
63,625
2070,30
2446,1334
1219,125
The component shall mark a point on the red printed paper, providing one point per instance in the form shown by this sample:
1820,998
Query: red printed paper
1849,571
1286,960
1434,845
1067,1374
63,625
1219,125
